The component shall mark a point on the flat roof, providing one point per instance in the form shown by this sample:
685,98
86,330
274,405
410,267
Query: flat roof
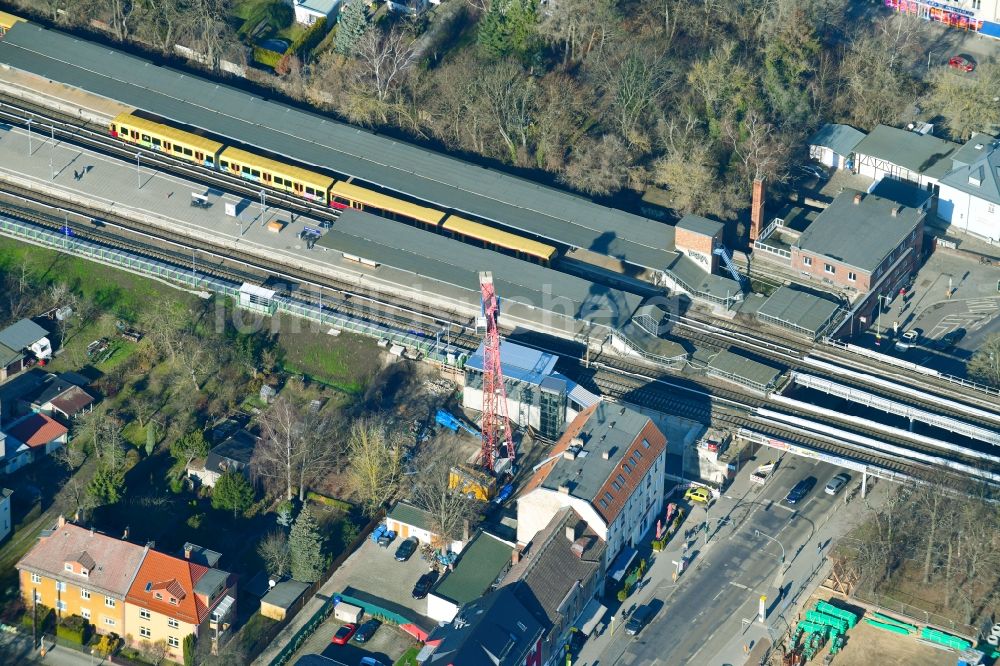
694,276
841,139
799,309
741,367
481,563
436,258
920,153
901,191
522,364
446,182
835,232
700,225
408,514
285,593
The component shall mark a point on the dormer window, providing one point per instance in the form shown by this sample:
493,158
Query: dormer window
158,595
84,572
173,600
68,567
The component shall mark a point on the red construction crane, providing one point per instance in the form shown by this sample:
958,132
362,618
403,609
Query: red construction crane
496,424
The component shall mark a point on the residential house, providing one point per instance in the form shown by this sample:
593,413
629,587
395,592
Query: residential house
29,439
494,630
833,145
79,571
913,155
233,454
969,198
14,391
5,522
982,16
407,520
828,250
610,467
171,598
26,335
558,577
307,12
60,398
481,567
11,362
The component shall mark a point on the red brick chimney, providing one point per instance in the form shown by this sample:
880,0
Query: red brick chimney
757,209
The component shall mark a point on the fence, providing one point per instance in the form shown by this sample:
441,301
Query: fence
191,279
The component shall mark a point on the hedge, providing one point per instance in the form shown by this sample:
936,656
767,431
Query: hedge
309,39
75,629
340,505
45,617
266,57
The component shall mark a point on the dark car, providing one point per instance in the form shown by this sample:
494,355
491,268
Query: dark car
951,339
962,62
801,489
423,585
638,620
366,631
406,549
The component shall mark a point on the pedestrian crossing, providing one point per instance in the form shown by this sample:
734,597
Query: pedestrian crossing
983,305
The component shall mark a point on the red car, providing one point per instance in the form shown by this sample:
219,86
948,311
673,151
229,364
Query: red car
344,634
963,63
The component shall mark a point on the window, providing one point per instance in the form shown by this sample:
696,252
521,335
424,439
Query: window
255,173
38,596
173,624
199,156
807,261
173,600
310,190
35,578
85,613
188,152
146,138
158,595
627,468
621,479
144,614
60,586
990,208
110,621
645,444
156,142
616,486
144,632
109,602
608,497
84,594
828,268
635,458
61,605
852,276
173,642
68,566
245,169
604,503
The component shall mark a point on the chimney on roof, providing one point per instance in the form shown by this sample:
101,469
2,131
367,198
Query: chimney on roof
857,198
187,551
76,517
564,489
91,531
572,531
515,556
606,454
570,453
757,209
896,210
578,547
125,536
61,521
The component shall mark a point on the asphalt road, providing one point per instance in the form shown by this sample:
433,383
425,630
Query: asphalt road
706,611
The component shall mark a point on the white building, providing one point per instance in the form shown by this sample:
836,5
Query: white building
609,467
969,196
914,155
27,335
982,16
537,395
5,525
833,145
308,12
407,521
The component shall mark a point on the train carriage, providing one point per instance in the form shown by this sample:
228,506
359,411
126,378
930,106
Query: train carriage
489,237
165,139
294,180
7,22
348,195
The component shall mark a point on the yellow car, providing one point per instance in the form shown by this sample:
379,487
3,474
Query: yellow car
698,494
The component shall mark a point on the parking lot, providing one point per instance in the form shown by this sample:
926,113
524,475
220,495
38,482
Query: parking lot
372,574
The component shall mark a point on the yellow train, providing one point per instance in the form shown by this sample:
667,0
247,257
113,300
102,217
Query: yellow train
317,187
7,22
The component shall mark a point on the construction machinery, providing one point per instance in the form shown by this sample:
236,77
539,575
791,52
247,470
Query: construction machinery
496,423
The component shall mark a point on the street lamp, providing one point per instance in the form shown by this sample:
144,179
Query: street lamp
52,148
138,173
761,534
30,120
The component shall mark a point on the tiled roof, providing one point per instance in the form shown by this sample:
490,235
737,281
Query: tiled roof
170,577
550,566
115,561
36,430
72,400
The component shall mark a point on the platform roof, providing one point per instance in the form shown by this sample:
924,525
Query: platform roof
435,258
799,310
522,364
743,369
446,182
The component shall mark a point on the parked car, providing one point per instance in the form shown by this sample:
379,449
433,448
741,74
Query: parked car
908,340
370,661
504,494
801,489
950,340
344,634
962,62
698,494
837,483
366,631
424,584
639,619
406,549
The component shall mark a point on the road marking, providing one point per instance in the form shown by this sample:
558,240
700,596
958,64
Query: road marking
739,585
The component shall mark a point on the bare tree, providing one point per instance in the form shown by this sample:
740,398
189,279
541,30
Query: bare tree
274,458
273,549
451,512
636,83
759,149
598,167
967,103
384,59
509,95
319,450
375,463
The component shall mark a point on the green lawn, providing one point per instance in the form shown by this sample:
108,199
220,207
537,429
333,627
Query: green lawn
409,657
246,9
346,362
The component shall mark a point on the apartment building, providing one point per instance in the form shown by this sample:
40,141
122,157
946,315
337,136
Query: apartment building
171,598
78,571
982,16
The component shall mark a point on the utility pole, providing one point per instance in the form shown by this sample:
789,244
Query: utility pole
138,173
30,120
52,148
263,207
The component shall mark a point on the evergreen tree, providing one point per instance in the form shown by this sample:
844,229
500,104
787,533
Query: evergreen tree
306,545
232,491
510,28
351,25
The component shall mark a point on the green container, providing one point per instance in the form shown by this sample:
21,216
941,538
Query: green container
830,609
828,620
888,627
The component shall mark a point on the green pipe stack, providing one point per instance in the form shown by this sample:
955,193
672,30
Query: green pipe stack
941,638
830,609
894,628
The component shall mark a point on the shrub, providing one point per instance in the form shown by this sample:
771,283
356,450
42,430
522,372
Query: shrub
266,57
331,502
195,521
309,39
107,644
45,617
74,628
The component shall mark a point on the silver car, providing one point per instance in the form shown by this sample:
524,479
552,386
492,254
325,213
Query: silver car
837,483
